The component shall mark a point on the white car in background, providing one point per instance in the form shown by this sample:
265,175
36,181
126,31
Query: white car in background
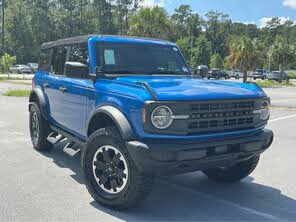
21,69
236,74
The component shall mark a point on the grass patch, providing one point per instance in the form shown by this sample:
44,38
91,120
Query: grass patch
18,93
269,84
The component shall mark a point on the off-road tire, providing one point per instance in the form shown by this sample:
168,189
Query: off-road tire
42,143
138,184
234,173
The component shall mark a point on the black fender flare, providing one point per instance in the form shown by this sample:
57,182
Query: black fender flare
118,118
37,93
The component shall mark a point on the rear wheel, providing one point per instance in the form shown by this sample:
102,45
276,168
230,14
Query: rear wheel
39,129
110,174
234,173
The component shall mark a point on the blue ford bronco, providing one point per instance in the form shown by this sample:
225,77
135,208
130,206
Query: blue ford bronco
135,111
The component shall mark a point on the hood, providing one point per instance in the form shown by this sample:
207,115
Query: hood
169,88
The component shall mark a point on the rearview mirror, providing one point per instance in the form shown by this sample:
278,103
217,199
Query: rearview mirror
76,70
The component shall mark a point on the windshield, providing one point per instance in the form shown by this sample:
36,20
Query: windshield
124,58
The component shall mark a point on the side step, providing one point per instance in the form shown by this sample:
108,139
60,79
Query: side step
54,138
69,150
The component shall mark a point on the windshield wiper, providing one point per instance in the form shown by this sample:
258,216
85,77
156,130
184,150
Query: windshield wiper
123,72
169,72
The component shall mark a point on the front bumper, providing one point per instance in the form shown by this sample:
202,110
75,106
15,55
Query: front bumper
165,158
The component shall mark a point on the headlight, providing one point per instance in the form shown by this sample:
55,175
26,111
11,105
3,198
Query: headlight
161,117
264,111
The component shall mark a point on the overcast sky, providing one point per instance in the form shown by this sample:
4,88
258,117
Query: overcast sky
247,11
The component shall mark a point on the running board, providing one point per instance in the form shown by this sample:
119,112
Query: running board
54,138
70,151
68,135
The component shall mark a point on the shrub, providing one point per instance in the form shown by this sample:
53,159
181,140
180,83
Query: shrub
7,61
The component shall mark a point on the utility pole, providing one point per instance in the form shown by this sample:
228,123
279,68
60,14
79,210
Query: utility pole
191,55
3,29
81,15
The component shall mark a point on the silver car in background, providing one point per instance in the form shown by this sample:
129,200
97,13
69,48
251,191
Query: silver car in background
21,69
275,75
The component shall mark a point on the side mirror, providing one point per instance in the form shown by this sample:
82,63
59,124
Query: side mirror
76,70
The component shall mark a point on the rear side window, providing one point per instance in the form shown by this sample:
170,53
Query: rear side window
58,60
44,60
79,53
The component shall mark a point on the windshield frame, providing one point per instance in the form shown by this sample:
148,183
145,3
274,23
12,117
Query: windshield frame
182,62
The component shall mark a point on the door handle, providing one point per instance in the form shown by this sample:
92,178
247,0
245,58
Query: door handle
46,85
63,89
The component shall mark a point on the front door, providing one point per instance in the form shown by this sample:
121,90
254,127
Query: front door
75,93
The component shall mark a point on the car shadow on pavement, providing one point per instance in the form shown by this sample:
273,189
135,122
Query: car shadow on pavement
63,160
194,197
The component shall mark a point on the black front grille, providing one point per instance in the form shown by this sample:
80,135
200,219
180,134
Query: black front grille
221,116
212,116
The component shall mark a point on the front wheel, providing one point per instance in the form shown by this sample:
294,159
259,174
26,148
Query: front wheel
234,173
110,174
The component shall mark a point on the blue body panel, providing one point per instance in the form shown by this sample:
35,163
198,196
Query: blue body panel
73,109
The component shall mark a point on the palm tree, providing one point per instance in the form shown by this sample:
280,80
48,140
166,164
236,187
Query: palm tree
245,54
282,54
150,22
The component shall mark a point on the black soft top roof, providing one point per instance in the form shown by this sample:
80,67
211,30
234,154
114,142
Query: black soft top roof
85,38
68,41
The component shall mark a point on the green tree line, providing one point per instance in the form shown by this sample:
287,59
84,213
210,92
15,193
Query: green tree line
213,39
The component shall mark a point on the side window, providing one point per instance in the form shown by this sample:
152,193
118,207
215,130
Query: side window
79,53
44,60
58,60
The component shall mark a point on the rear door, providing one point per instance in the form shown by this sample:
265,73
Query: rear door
53,84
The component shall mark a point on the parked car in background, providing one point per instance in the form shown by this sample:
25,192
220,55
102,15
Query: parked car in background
33,66
259,74
275,75
202,71
217,74
20,69
235,73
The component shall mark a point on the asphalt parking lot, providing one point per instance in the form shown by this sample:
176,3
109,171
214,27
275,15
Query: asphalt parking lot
49,187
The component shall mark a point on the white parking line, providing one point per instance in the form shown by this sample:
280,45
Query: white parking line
224,202
283,100
282,118
2,124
